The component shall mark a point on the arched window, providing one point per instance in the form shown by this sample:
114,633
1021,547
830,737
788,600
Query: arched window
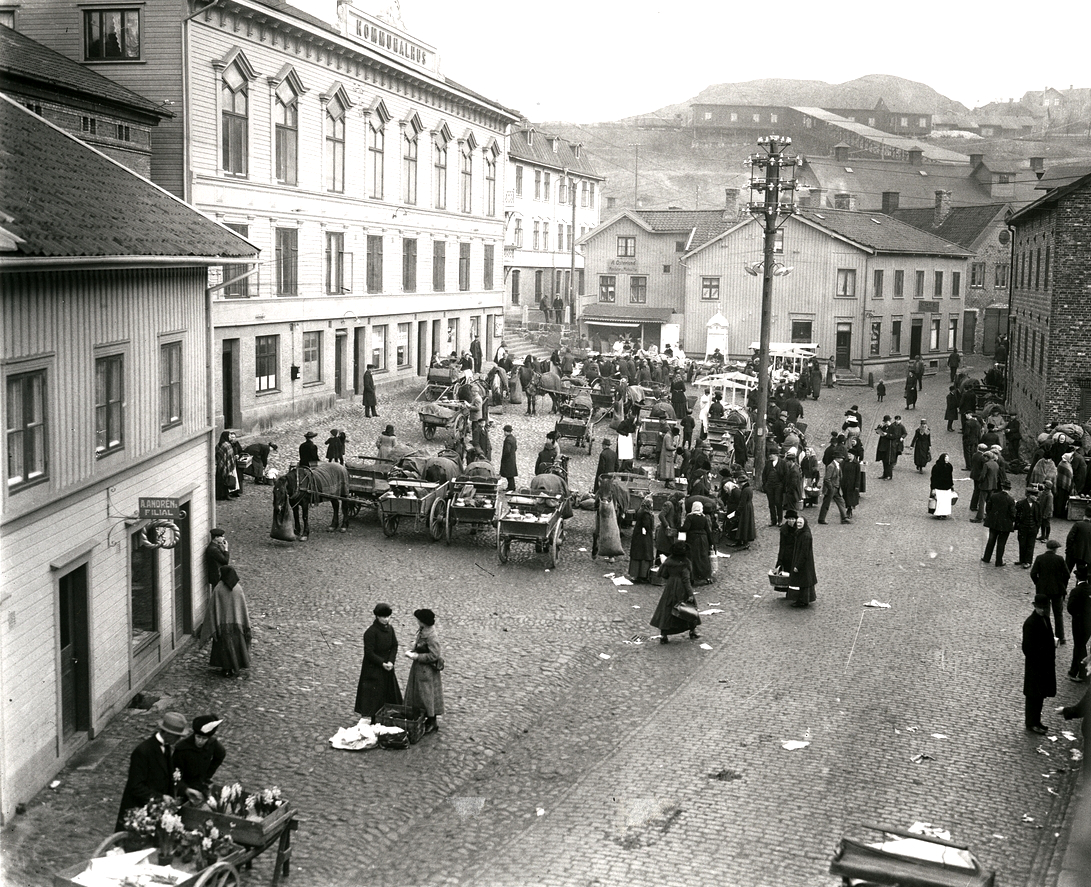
490,184
409,164
466,179
335,145
286,113
235,110
441,174
377,149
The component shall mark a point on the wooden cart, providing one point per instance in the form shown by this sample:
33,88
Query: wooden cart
577,421
638,485
441,381
367,482
534,518
473,502
453,415
647,435
420,500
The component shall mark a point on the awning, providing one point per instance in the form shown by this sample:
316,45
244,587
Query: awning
619,323
605,312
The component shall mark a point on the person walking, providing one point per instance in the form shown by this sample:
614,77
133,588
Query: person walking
884,450
1027,520
477,354
509,470
1000,521
1039,665
796,557
772,482
308,450
941,483
151,767
831,491
950,410
1050,577
642,544
378,685
922,446
424,687
954,361
370,400
850,482
698,536
677,589
231,632
911,392
1079,609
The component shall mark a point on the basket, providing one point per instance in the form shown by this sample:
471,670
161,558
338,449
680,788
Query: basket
779,580
411,720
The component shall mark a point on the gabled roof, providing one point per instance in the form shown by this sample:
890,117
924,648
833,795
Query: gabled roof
882,234
905,143
539,150
963,225
698,226
634,313
62,198
1058,176
1050,198
25,62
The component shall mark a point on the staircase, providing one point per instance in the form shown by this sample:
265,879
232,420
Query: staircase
538,343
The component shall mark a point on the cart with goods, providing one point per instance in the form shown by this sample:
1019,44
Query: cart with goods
422,501
472,502
648,434
577,421
453,415
367,482
637,485
907,859
721,443
441,381
534,518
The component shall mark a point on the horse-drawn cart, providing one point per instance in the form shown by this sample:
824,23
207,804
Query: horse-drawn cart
648,434
422,501
473,502
367,482
454,415
577,420
440,382
535,518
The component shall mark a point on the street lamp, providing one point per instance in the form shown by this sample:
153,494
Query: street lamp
772,211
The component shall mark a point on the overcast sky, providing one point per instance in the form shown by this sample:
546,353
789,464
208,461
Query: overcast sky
586,61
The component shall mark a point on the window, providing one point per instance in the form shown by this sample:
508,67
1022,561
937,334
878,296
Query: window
545,236
538,291
558,277
489,268
515,279
402,347
439,262
877,286
409,170
547,188
1000,275
440,175
562,190
1037,266
922,122
490,185
378,347
895,337
109,404
899,284
933,335
846,281
679,246
583,193
518,181
409,264
772,118
560,237
638,290
977,275
110,34
374,263
537,184
734,117
667,269
937,285
518,234
710,289
956,283
26,427
7,19
240,289
287,260
286,114
591,195
124,134
952,333
463,267
801,330
376,149
537,235
778,241
626,247
607,288
875,347
312,357
336,279
919,292
579,282
235,119
143,589
170,385
904,122
466,179
266,361
1045,273
335,145
756,118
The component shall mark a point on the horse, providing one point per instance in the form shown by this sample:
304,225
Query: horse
298,488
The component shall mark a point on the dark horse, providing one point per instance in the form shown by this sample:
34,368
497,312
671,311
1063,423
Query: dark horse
299,488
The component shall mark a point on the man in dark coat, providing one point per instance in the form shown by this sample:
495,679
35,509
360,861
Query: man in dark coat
1027,521
547,456
370,401
607,462
831,491
1077,547
967,405
1050,577
950,412
508,469
1079,608
884,450
772,482
477,354
794,408
1000,521
1039,667
971,437
954,361
151,767
308,451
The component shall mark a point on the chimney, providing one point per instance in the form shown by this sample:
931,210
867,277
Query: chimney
841,153
975,159
731,202
943,208
890,201
916,157
1038,165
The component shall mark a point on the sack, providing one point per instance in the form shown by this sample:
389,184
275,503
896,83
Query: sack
686,611
566,509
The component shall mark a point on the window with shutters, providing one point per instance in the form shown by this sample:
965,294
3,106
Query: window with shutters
374,263
409,264
464,266
488,267
439,266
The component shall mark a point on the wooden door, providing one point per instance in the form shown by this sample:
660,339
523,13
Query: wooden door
843,346
423,355
915,334
183,576
969,331
75,671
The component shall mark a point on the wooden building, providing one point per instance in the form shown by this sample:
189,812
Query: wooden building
105,330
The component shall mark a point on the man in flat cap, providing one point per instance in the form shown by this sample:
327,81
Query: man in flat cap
1050,576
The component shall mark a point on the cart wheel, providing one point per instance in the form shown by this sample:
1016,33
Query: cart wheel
390,525
448,528
503,548
555,548
221,874
437,519
351,506
429,431
117,839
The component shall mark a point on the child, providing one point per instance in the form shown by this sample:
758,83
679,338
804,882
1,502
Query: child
688,424
335,446
1045,505
880,390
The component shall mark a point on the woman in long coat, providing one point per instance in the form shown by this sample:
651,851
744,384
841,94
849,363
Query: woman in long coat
607,536
850,481
950,411
793,482
378,685
747,530
698,530
642,545
424,687
801,566
231,632
922,446
666,453
225,465
670,522
911,392
1063,486
677,589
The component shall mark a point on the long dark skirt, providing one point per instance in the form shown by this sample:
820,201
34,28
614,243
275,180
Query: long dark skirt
803,595
231,650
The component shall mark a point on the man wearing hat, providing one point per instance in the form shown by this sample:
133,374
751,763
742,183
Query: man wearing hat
1039,666
371,402
151,767
308,450
508,468
1077,549
977,462
1050,577
1000,521
198,757
217,556
1079,608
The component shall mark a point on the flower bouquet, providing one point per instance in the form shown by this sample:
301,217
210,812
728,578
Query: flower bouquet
160,822
248,817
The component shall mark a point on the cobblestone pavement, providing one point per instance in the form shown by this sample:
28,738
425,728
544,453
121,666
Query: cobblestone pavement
576,750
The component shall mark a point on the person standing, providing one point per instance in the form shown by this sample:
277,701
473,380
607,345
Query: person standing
792,481
911,392
424,687
477,354
1077,548
1000,521
678,395
226,478
1013,437
607,463
387,443
370,400
1039,665
918,372
508,468
950,410
698,532
378,685
922,446
772,482
831,491
606,539
1063,487
217,556
260,454
231,632
1027,520
850,482
967,407
747,530
677,589
529,379
335,446
151,767
988,482
1045,512
798,548
547,456
831,372
1050,577
954,361
1079,609
198,756
667,448
642,545
884,450
625,446
308,450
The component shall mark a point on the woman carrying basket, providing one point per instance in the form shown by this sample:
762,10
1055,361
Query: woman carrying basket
677,609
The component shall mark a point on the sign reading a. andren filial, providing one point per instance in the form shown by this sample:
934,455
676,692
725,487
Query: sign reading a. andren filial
159,508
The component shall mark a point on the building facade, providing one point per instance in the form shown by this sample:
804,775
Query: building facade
104,359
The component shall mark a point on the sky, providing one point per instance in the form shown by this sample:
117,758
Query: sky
592,61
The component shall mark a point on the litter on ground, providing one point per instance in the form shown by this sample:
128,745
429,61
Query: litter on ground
793,744
877,605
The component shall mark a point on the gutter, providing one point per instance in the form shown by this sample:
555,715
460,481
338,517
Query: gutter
32,262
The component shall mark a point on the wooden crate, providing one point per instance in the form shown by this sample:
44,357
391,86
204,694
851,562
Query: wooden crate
1078,507
247,832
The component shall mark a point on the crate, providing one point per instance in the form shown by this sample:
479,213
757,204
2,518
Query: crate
1078,507
411,720
247,832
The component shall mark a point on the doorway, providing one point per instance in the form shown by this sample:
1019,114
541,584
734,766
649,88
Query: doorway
843,346
437,338
183,576
229,374
359,358
422,347
915,335
969,331
339,363
74,653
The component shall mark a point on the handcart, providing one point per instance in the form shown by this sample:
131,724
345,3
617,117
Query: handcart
576,422
907,859
648,434
535,518
441,381
423,501
454,415
473,502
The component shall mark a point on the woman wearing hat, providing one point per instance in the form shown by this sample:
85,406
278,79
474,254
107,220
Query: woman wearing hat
387,443
698,530
151,767
308,450
378,685
424,688
198,757
642,545
231,633
922,446
678,589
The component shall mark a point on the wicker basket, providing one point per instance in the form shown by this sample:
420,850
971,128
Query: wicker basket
410,720
779,580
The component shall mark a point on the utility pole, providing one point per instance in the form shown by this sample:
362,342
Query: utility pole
768,212
572,258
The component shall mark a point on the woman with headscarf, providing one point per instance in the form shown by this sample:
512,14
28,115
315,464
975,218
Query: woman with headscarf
642,545
677,589
698,530
922,446
606,539
1063,486
667,448
850,481
670,522
226,477
231,633
386,443
942,484
424,687
378,685
800,566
